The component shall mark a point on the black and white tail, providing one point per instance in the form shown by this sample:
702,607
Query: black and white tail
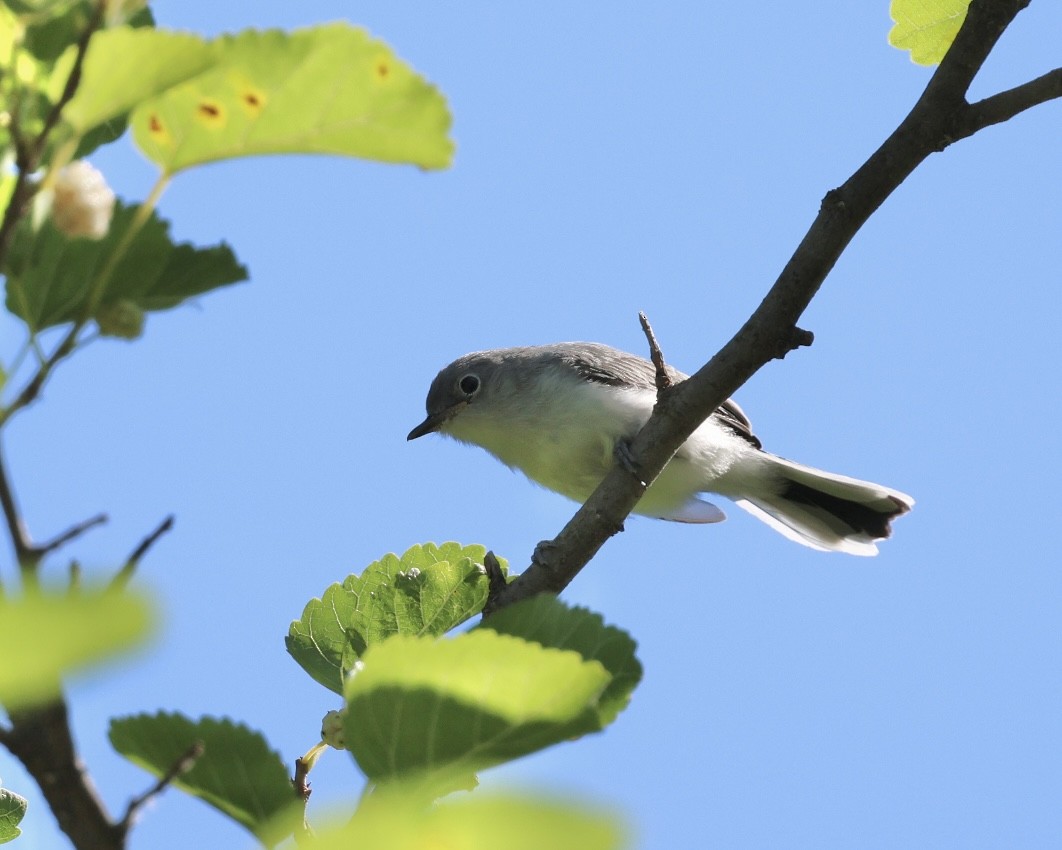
825,511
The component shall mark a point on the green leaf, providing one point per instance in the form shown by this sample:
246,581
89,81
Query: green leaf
45,637
237,772
12,811
329,89
428,591
926,28
475,823
51,278
549,622
123,67
421,705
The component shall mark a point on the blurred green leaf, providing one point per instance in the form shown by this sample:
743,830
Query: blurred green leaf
123,67
421,705
926,28
329,89
45,637
428,591
12,811
51,277
237,772
548,621
475,823
53,25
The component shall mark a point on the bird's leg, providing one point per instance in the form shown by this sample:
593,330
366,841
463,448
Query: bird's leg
625,458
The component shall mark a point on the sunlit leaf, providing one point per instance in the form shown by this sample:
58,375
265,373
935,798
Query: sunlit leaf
52,278
548,621
926,28
465,703
428,591
475,823
123,67
12,811
330,89
237,772
45,637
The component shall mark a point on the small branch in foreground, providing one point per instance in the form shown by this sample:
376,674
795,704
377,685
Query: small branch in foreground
663,379
121,579
180,767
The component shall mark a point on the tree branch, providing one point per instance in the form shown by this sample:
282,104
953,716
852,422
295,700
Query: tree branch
183,764
940,116
121,579
1005,105
41,740
71,533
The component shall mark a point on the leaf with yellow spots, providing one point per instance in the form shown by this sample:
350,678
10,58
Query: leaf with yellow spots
330,89
926,28
123,66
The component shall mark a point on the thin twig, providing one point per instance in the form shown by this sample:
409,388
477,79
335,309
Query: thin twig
70,534
663,379
180,767
121,579
301,781
16,527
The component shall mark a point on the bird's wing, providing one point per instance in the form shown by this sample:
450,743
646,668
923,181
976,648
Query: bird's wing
604,365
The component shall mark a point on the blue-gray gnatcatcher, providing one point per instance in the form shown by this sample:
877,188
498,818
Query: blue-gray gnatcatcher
557,412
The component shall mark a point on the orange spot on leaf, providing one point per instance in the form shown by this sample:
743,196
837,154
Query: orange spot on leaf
154,125
210,110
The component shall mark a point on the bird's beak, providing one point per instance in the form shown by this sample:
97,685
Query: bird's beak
429,425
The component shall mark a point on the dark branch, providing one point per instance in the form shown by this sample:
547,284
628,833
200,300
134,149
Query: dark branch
40,738
20,539
70,534
180,767
121,579
940,116
1005,105
663,379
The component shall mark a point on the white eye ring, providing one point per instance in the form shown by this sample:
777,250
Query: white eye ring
469,384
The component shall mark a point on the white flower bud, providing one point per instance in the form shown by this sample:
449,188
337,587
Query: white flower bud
332,730
83,202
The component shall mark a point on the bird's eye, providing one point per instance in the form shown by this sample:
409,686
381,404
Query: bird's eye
469,384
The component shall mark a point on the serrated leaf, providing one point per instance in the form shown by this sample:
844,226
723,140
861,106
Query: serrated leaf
475,823
12,811
421,705
428,591
548,621
51,278
237,773
45,637
329,89
123,67
926,28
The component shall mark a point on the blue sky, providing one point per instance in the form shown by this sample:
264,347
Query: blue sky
665,158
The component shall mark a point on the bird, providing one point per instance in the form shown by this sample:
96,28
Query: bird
559,413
